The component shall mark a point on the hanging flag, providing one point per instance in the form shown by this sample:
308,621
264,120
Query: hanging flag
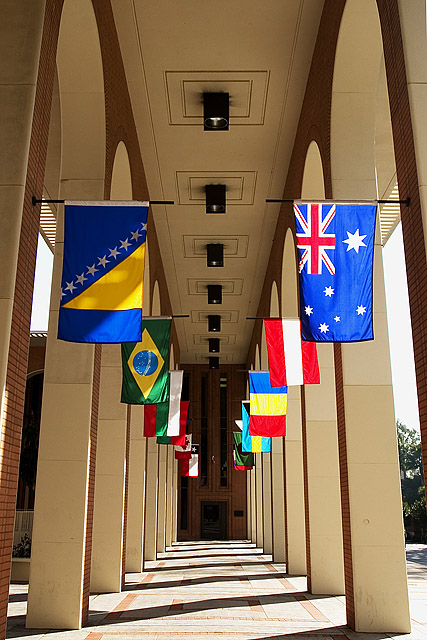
183,452
252,444
103,271
181,438
267,406
236,467
291,361
336,246
175,390
190,467
155,418
146,364
245,460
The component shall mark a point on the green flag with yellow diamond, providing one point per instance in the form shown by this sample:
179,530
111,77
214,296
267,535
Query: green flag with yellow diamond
146,364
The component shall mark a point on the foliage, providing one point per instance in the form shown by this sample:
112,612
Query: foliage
412,482
23,548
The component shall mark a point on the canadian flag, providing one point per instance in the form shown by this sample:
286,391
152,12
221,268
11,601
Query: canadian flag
184,452
291,361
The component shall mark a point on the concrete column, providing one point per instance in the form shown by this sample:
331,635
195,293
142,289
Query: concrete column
151,483
108,516
61,532
248,506
378,565
326,567
161,499
136,493
295,514
169,491
253,506
259,497
278,500
20,23
266,502
175,501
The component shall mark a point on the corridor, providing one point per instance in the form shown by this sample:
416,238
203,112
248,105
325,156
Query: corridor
213,589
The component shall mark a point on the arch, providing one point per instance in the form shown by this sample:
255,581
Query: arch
274,301
81,87
156,304
257,359
264,355
121,179
289,278
313,182
355,82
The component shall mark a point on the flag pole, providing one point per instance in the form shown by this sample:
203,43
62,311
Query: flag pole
35,201
406,202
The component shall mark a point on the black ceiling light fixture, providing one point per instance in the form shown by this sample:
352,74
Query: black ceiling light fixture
214,362
216,108
213,345
214,323
214,294
215,255
215,198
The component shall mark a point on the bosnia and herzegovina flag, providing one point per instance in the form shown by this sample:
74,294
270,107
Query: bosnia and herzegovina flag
267,406
242,461
252,444
146,364
103,271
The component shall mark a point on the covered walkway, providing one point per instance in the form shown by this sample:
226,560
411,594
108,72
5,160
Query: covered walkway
221,589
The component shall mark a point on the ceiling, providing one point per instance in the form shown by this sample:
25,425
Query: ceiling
260,54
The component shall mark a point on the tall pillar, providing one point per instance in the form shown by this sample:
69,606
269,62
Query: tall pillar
376,585
258,497
136,493
266,502
169,490
295,514
175,501
161,499
278,500
253,506
18,76
151,484
248,507
325,566
108,517
62,529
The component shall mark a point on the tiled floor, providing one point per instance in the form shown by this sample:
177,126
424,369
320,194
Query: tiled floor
227,590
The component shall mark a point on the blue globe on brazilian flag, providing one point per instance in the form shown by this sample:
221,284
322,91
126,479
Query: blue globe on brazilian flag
146,364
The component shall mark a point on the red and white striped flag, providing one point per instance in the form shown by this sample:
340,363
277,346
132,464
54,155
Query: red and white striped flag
291,361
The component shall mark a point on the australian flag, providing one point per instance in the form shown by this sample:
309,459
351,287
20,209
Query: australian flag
335,250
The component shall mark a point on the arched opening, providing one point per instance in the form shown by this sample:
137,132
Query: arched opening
289,278
156,305
313,183
121,180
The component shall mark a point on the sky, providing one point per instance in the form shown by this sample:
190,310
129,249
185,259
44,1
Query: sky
402,359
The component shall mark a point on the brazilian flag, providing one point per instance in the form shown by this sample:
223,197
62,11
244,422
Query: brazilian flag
146,364
243,461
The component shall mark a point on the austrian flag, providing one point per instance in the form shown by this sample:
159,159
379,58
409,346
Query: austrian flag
290,360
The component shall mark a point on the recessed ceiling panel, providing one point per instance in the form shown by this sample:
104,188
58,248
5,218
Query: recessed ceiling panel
247,89
239,186
229,286
223,339
226,316
234,247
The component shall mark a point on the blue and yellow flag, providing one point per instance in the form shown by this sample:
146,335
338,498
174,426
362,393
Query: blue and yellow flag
146,364
252,444
103,272
267,406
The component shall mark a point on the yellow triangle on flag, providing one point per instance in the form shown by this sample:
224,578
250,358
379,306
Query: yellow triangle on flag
119,289
145,363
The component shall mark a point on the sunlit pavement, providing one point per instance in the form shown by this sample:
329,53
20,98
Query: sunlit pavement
221,589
